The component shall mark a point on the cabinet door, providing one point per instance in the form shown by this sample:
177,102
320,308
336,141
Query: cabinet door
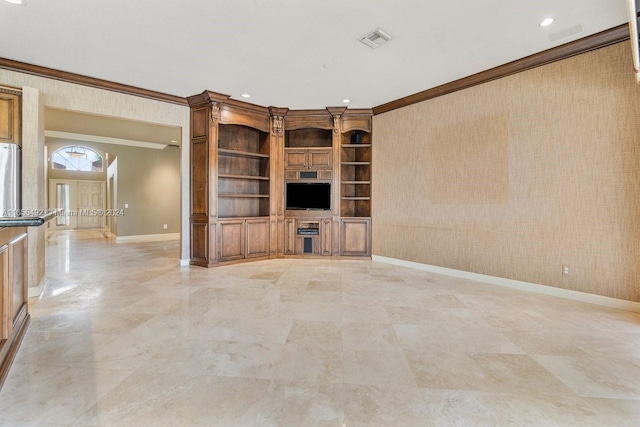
325,237
231,235
18,275
289,236
295,159
257,238
9,118
6,322
355,237
307,245
320,159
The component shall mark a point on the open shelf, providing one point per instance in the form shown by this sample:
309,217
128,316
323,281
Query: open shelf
242,195
229,176
227,152
243,206
308,137
243,172
355,174
356,163
358,208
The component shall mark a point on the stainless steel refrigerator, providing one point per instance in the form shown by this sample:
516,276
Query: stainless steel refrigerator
10,180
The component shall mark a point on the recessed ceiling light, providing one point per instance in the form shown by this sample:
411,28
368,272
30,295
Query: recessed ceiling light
346,100
245,95
546,22
22,2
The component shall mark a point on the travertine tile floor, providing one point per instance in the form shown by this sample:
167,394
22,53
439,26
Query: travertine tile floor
124,337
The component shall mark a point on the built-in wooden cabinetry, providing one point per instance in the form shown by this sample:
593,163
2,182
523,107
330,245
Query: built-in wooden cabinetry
355,185
14,313
10,124
243,156
232,210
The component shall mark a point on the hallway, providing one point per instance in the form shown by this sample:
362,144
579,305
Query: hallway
122,336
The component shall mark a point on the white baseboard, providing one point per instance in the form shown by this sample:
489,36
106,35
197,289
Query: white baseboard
37,291
517,284
184,262
148,238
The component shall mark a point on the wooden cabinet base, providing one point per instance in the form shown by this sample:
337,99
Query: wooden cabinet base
9,347
355,236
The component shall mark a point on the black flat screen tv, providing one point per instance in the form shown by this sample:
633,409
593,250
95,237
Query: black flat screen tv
308,196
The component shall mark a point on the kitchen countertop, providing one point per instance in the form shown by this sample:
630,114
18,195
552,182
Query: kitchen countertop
26,221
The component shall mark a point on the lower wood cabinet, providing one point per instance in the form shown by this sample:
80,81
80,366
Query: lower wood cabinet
355,236
256,238
243,238
231,244
307,236
289,236
14,316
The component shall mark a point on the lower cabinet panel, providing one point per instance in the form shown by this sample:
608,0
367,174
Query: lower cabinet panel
289,236
14,314
199,237
243,238
18,275
257,238
355,236
5,298
325,236
231,235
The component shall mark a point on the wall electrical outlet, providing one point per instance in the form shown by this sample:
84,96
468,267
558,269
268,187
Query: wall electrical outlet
565,270
164,226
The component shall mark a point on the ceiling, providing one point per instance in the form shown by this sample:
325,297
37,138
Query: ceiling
293,53
76,126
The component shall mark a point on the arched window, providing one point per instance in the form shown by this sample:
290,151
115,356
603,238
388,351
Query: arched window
76,158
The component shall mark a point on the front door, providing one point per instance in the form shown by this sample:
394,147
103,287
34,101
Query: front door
79,202
90,204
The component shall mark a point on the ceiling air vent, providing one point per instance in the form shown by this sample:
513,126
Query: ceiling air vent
376,38
554,37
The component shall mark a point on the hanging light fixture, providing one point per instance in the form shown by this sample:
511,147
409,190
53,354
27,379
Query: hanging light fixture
76,152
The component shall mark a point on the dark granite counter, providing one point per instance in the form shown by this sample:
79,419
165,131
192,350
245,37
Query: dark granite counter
26,221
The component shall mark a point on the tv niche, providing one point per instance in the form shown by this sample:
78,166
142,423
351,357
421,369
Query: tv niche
308,196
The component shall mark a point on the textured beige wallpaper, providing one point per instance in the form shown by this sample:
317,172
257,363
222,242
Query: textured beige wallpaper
517,177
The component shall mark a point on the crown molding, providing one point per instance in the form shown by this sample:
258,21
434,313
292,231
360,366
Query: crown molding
37,70
595,41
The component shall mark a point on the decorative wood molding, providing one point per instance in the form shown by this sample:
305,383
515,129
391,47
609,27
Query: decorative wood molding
36,70
336,114
357,119
277,125
298,119
215,111
596,41
10,90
